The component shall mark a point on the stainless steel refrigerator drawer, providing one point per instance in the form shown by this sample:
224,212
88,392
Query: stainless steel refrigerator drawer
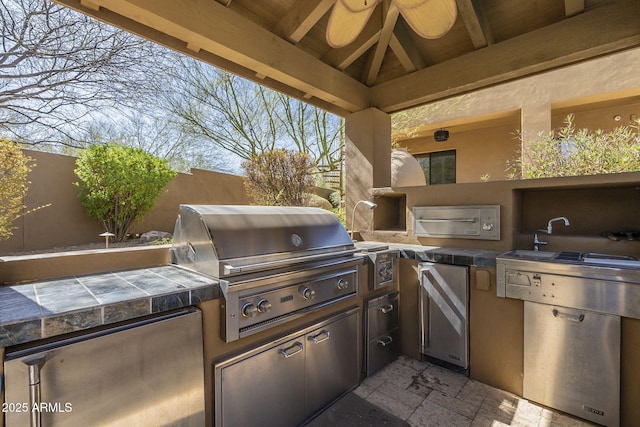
444,312
147,373
572,361
382,315
381,351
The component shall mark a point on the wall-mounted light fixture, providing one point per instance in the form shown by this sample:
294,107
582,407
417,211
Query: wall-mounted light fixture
617,117
368,204
441,135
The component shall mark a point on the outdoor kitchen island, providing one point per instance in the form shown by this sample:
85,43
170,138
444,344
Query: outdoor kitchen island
496,332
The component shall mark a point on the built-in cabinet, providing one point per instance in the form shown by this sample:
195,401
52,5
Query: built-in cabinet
290,379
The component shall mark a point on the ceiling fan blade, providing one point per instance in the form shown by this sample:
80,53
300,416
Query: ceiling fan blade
430,19
347,20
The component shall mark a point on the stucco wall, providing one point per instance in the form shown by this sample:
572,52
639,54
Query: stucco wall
65,222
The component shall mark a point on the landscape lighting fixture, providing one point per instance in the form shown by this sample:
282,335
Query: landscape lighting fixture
368,204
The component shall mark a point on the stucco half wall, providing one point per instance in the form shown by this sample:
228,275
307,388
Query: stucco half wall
65,222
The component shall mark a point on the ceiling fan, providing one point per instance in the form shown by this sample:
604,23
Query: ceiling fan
430,19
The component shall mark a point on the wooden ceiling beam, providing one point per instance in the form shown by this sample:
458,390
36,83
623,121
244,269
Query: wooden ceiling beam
573,7
300,18
474,18
372,69
235,40
609,28
405,49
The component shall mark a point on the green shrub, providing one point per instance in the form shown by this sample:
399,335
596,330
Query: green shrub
572,152
279,178
14,168
119,184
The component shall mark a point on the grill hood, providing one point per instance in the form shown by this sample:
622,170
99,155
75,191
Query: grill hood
227,240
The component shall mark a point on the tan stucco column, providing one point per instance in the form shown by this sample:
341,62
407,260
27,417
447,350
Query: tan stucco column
368,161
534,118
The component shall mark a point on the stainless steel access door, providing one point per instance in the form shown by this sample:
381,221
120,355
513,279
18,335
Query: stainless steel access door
444,312
147,373
572,361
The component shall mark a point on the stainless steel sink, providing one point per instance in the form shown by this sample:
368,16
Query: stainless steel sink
599,282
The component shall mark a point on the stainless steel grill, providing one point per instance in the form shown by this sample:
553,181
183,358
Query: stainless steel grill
274,263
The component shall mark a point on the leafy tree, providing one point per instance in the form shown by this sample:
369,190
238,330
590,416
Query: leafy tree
279,178
14,168
119,185
571,152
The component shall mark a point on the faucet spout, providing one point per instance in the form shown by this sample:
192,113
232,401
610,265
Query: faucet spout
551,221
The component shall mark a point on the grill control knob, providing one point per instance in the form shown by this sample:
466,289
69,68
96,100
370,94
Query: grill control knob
264,306
306,292
249,310
342,284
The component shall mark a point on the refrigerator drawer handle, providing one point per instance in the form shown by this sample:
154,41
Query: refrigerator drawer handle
577,319
285,351
386,309
320,337
385,341
34,365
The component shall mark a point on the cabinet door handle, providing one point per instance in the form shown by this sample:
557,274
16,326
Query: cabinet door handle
323,335
387,308
285,351
34,365
579,318
385,341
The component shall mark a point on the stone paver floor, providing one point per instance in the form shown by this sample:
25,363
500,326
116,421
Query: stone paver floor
424,394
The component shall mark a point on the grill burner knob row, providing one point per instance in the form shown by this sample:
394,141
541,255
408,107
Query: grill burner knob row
307,292
264,306
249,310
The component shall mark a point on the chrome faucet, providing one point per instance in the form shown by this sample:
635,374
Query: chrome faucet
536,242
551,221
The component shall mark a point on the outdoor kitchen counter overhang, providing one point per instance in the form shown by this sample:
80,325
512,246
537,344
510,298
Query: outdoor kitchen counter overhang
47,308
43,309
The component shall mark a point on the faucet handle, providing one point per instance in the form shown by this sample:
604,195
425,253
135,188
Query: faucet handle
537,242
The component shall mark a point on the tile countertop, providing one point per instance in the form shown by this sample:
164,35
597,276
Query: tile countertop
47,308
440,255
29,312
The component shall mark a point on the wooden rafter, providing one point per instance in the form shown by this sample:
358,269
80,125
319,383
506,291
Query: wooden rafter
405,50
390,17
302,16
473,16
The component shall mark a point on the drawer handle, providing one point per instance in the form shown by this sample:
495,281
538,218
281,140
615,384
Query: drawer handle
385,341
317,338
386,309
285,351
577,319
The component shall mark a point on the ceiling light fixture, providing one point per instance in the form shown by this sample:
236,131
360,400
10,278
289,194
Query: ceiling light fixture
430,19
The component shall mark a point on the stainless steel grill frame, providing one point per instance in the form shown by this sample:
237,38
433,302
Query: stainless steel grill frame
274,263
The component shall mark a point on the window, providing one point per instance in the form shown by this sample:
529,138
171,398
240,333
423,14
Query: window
438,167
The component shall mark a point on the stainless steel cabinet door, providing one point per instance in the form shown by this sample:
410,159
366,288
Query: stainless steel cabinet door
266,389
444,313
146,374
572,361
332,362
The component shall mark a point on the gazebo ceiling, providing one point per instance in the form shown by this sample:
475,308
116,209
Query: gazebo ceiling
401,55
